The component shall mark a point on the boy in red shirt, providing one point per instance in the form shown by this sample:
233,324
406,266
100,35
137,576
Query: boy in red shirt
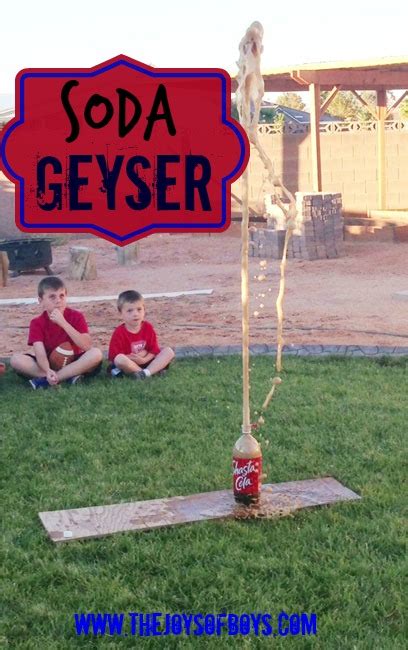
133,348
56,325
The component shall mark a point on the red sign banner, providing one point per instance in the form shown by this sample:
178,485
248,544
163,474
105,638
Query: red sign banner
123,150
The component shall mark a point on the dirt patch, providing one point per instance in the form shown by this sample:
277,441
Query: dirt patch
340,301
347,300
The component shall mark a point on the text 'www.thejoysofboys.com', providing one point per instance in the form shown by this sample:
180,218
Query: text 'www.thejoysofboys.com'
142,624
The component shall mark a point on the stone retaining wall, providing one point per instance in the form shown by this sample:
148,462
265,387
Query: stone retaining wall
318,233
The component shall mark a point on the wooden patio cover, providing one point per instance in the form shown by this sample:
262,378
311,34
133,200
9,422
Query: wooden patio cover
377,75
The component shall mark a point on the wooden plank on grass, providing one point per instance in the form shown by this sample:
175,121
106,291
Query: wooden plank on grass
277,499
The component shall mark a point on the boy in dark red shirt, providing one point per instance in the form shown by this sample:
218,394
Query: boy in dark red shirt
133,348
57,324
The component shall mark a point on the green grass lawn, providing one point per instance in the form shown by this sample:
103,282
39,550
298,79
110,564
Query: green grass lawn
116,440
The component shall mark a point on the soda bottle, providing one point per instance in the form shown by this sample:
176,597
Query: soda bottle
247,469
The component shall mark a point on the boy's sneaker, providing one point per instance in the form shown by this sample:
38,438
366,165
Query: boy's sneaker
75,380
116,373
38,382
139,375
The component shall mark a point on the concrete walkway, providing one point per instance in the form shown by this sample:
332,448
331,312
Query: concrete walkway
81,299
368,351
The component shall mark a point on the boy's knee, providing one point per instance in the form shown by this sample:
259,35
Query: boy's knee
170,353
95,356
98,354
120,359
16,360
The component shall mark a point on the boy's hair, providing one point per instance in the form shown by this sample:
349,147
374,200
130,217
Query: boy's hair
50,282
128,296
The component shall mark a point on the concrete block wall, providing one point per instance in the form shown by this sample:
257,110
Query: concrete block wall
349,167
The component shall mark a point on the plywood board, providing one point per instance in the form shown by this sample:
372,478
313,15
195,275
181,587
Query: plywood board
277,499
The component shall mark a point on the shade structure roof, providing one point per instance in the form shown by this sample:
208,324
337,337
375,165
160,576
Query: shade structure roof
375,74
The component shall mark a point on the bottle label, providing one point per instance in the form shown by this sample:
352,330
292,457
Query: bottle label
247,475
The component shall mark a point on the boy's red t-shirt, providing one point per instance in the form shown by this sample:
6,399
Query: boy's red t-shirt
44,330
125,342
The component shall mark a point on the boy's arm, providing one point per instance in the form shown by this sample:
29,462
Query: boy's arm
116,345
152,346
139,358
41,356
83,341
43,363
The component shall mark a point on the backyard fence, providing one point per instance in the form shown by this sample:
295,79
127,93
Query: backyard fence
349,162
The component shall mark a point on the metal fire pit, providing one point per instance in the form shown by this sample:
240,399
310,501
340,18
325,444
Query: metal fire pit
28,254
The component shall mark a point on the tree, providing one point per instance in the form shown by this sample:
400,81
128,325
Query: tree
344,105
347,106
370,97
291,100
267,115
363,113
404,109
234,110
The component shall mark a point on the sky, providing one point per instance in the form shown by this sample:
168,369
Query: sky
193,33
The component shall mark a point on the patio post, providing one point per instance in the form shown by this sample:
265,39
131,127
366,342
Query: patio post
314,90
381,115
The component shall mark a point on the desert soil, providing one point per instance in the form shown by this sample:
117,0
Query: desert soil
348,300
